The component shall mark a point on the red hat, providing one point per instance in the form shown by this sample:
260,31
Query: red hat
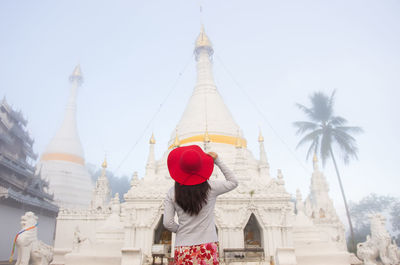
189,165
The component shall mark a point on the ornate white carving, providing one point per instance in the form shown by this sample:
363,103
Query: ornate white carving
31,250
114,221
378,245
320,209
102,193
78,240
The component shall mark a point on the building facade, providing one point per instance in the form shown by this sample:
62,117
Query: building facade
21,189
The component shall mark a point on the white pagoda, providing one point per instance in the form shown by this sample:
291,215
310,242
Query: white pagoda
63,163
255,223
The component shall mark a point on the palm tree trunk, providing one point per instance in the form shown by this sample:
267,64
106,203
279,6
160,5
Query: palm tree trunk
344,199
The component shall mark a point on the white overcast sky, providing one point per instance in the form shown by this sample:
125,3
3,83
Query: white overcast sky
279,52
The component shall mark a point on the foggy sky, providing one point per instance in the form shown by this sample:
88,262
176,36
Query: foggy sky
277,53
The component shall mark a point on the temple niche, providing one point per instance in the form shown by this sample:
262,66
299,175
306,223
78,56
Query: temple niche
252,233
255,222
161,235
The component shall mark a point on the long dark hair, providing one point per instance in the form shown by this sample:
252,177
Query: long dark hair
191,198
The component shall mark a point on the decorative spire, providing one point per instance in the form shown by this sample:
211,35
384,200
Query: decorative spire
260,137
206,140
102,192
104,165
279,177
315,159
152,139
176,142
315,162
135,179
203,43
151,160
263,163
206,137
76,75
203,40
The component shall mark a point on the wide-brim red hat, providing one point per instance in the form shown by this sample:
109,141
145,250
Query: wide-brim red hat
189,165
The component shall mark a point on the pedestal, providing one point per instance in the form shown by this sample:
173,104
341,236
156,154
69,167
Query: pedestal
131,256
285,256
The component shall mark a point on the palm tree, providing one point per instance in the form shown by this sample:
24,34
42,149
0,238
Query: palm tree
323,132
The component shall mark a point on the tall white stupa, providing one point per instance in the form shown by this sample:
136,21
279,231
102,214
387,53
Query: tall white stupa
63,163
208,122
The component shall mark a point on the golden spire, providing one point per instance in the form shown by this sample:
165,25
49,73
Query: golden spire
152,139
315,159
176,142
202,39
76,75
260,137
104,165
77,71
207,137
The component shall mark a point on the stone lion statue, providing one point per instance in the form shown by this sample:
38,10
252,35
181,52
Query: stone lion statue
31,251
378,245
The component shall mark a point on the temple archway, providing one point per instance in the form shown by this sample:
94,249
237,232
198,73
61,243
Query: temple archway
253,233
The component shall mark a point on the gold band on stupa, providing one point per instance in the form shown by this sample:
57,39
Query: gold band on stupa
214,138
63,157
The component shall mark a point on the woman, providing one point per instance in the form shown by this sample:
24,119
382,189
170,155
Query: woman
193,198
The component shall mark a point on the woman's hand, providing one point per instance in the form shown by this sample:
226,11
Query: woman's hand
213,155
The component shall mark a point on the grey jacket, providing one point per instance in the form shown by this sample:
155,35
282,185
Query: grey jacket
197,229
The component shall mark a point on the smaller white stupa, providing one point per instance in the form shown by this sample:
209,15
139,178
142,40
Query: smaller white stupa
63,163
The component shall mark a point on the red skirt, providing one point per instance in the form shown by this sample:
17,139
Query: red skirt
204,254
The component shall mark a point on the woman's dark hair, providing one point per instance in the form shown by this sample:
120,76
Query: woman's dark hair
191,198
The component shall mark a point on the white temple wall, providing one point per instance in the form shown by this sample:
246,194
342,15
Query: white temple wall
232,238
268,246
66,228
144,240
10,225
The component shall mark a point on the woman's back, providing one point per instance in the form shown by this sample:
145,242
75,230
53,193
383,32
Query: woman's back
200,228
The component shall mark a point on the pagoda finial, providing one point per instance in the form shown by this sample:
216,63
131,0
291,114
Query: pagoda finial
315,161
104,165
206,137
76,75
203,43
152,139
202,39
260,137
176,142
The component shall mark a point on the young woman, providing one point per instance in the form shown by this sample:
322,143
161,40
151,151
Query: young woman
193,198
